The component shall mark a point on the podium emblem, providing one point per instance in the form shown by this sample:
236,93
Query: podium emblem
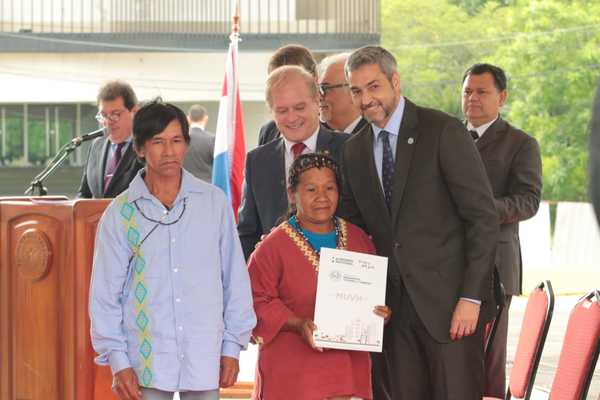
33,254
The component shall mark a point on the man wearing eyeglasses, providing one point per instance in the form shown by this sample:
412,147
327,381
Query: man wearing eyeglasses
112,163
337,110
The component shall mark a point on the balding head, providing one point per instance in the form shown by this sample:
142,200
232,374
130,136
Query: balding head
336,107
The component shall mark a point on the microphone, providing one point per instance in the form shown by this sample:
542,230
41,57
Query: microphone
88,136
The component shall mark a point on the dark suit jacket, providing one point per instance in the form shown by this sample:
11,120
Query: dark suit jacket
514,168
442,231
265,198
92,181
199,157
269,132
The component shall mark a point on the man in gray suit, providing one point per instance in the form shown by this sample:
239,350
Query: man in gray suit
112,163
415,181
292,96
199,157
514,168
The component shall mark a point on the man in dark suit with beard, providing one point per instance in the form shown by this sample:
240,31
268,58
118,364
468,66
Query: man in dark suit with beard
112,163
514,168
415,181
292,96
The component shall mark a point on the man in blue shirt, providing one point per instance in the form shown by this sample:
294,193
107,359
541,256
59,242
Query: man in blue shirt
170,299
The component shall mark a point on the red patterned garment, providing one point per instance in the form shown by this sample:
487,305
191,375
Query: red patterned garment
283,273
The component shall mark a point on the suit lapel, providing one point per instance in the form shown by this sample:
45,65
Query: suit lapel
491,134
123,164
361,124
408,136
99,178
278,172
323,139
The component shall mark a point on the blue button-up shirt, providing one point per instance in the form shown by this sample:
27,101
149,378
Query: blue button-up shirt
172,306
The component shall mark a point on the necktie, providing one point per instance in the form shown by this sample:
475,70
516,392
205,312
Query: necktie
387,167
474,135
297,149
111,165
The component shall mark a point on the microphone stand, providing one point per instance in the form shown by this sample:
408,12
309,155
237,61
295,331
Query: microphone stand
37,184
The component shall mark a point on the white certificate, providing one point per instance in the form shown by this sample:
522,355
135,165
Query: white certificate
349,286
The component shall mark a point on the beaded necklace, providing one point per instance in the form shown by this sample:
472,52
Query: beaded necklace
300,231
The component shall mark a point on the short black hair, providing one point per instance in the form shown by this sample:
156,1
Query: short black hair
293,54
153,118
496,72
369,55
112,90
197,113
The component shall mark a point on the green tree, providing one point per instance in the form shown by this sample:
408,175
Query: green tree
549,50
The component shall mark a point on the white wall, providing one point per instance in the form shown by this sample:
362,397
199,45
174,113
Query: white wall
75,77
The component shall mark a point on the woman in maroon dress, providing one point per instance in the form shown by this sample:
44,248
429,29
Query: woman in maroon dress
283,272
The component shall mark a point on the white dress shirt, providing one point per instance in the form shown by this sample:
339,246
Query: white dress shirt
481,128
311,147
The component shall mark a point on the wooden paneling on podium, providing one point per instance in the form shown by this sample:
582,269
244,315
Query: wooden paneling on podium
46,250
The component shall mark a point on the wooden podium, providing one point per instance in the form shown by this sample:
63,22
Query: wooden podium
46,251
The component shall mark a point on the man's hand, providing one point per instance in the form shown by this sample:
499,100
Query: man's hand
125,385
229,371
464,319
384,312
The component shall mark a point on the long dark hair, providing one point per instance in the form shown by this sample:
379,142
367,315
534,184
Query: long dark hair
303,163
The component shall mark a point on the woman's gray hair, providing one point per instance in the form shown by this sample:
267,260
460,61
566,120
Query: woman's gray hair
369,55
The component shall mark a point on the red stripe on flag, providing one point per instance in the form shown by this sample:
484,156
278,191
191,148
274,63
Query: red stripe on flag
238,157
224,90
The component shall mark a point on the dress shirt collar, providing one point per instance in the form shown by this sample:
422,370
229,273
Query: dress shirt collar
138,188
126,141
352,125
196,125
481,128
393,125
310,142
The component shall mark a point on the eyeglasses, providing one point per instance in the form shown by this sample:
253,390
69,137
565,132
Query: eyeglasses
323,89
114,116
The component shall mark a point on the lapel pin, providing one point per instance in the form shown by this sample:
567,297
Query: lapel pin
410,140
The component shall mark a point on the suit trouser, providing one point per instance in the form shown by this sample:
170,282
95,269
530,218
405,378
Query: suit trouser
421,368
495,359
380,377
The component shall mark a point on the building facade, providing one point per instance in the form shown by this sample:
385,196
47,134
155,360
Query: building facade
54,55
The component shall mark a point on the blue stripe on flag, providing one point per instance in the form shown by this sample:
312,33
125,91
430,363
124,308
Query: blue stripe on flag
220,173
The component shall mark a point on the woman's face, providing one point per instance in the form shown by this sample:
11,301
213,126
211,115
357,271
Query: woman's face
316,197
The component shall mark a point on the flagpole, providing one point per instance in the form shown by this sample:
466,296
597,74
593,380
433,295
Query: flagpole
230,150
235,23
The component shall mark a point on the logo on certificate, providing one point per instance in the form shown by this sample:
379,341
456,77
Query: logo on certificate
335,276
